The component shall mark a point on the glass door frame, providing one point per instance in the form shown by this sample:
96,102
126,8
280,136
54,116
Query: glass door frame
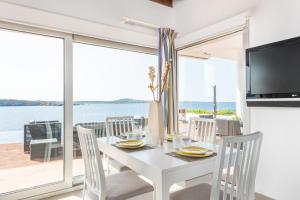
80,39
68,114
244,30
69,181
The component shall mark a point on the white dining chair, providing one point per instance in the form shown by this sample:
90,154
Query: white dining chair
115,126
202,129
121,186
239,156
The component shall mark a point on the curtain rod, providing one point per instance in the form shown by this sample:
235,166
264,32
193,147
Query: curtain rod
128,20
131,21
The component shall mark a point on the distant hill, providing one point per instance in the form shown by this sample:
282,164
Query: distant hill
118,101
15,102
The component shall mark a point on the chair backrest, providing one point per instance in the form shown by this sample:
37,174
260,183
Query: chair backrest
94,178
117,125
237,161
99,128
202,129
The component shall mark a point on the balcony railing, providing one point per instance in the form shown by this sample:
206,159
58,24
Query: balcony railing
43,139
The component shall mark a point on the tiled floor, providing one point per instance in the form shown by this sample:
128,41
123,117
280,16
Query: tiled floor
76,195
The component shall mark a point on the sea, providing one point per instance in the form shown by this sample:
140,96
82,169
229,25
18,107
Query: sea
13,118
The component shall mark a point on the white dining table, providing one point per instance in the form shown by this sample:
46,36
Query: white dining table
163,170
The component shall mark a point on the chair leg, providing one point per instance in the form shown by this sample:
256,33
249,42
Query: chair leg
83,192
108,165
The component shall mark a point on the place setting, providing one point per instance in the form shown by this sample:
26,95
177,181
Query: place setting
169,138
133,141
187,150
136,134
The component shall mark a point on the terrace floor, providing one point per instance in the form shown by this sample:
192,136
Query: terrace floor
17,171
13,156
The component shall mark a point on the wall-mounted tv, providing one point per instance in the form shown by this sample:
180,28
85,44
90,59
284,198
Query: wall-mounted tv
273,74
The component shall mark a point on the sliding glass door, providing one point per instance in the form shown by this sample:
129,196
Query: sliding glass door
39,147
32,119
108,82
212,71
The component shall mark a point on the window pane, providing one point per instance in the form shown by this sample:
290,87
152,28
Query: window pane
31,110
196,80
108,82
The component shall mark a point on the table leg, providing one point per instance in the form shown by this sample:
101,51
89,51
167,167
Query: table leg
162,190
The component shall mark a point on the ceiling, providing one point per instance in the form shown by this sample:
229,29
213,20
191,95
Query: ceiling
226,47
194,15
186,16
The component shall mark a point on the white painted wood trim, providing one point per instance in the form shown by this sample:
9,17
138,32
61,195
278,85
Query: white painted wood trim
245,111
68,116
68,110
56,192
35,191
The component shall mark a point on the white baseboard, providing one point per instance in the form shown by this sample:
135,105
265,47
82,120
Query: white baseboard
259,196
58,192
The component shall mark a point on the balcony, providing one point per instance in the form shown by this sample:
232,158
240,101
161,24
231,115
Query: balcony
40,152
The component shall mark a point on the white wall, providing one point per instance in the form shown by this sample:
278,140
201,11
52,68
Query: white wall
278,172
97,18
271,20
279,167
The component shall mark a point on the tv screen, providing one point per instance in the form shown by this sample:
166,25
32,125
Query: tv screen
274,69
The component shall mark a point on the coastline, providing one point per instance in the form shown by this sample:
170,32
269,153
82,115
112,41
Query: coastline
13,118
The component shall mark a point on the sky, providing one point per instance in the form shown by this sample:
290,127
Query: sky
109,74
196,78
31,68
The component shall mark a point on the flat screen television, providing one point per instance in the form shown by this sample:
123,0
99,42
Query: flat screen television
273,70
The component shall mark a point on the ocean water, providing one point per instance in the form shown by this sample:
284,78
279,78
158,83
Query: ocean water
13,118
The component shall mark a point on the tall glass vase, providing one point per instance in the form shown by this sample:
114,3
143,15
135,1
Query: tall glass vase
156,123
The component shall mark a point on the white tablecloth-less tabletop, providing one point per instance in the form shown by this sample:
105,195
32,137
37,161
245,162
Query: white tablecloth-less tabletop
163,170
